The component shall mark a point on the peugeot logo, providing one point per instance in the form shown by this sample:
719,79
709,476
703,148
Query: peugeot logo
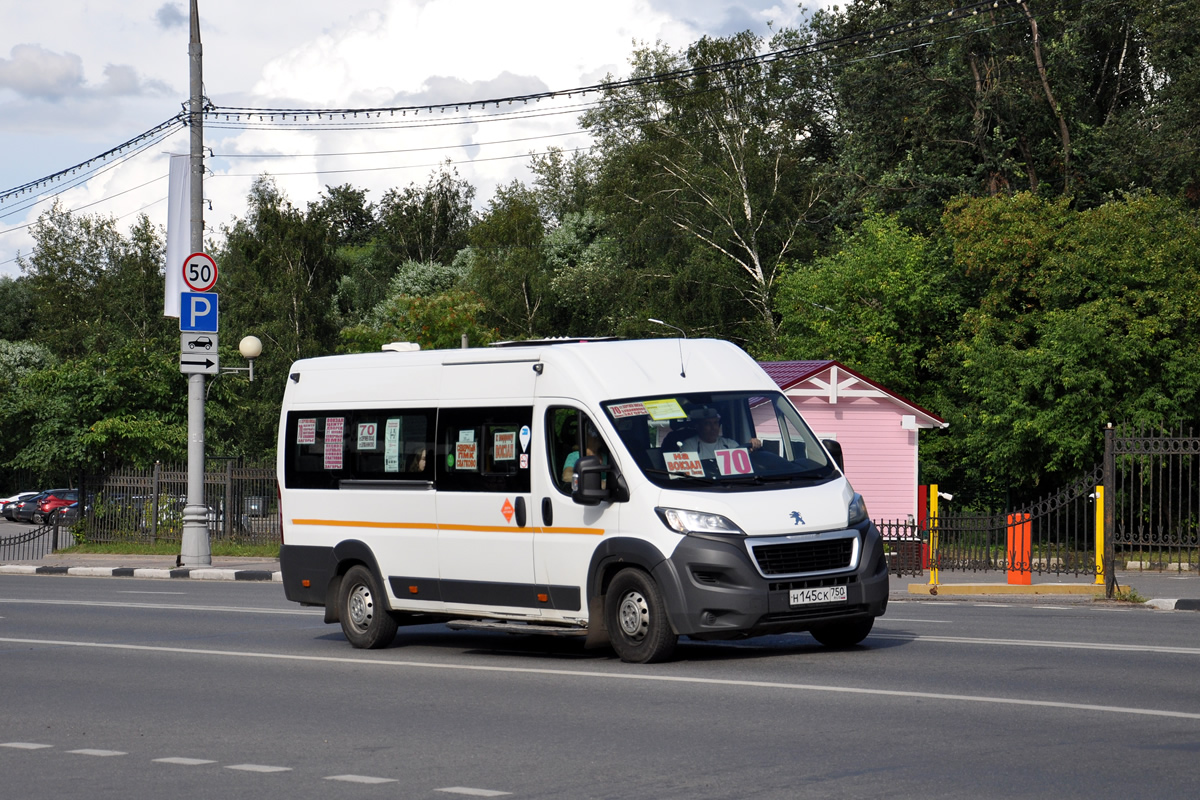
797,519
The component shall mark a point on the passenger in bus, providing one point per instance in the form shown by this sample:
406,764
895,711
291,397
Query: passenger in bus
709,439
594,446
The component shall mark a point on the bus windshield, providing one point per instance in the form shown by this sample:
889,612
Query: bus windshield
720,439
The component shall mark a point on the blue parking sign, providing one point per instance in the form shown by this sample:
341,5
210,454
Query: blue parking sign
198,312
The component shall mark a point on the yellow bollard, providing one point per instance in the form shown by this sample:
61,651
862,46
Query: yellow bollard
933,536
1099,535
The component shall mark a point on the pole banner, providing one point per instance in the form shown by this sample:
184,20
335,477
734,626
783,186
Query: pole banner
179,230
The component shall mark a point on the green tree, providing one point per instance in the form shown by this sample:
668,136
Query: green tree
506,265
435,322
721,158
1083,318
17,320
885,304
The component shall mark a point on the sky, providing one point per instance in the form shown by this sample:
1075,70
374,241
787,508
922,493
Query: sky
80,77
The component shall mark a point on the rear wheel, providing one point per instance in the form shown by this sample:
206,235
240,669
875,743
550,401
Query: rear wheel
843,634
362,608
636,618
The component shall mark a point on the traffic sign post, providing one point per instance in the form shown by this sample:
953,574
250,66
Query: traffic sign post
200,272
198,354
198,312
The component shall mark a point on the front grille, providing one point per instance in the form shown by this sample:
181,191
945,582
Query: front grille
792,558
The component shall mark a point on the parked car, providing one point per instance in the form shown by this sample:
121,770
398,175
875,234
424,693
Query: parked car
64,515
10,504
52,500
25,508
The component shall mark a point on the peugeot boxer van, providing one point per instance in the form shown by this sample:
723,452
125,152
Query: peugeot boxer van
629,492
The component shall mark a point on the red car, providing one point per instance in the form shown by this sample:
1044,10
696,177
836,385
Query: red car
52,500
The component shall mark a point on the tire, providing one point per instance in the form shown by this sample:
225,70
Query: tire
37,518
363,610
636,618
843,634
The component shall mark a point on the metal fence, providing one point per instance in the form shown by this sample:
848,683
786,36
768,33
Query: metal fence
1148,485
146,506
30,545
1155,498
1056,534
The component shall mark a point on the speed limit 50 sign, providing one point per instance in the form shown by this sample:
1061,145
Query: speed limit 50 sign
200,272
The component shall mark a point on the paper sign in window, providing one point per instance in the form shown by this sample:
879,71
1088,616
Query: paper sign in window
465,456
505,446
391,445
335,428
664,409
306,431
684,464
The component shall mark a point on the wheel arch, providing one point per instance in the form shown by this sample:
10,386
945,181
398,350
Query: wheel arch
346,554
614,555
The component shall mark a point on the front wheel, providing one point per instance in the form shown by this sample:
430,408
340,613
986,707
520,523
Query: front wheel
843,634
362,608
636,618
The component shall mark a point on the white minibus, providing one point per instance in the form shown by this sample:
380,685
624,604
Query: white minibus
629,492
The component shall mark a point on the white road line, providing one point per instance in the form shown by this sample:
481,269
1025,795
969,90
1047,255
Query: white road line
905,619
360,779
25,745
258,768
680,679
1116,648
187,762
472,792
87,751
151,593
307,612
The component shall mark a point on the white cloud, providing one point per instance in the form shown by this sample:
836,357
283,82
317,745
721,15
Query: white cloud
87,81
35,72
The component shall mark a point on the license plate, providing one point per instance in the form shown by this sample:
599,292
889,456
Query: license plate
824,594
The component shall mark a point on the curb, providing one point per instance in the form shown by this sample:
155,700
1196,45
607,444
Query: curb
194,573
1005,588
1175,605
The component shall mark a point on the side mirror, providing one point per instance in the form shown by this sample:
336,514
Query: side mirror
835,450
587,483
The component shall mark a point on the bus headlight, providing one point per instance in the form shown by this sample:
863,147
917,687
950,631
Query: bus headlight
682,520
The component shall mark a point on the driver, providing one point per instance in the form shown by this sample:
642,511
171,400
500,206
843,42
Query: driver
709,439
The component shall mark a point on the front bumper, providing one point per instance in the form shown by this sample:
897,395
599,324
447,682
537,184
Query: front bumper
716,591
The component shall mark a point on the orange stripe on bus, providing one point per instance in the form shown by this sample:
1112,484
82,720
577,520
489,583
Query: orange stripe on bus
343,523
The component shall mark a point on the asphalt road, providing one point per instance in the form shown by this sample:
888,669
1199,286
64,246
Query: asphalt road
147,688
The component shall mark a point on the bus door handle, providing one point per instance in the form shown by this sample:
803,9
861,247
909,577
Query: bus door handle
519,510
547,512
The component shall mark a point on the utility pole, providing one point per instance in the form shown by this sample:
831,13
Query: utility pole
194,549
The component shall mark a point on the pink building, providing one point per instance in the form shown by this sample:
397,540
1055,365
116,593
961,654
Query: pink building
876,428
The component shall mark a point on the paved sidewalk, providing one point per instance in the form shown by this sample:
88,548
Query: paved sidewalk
126,566
1163,590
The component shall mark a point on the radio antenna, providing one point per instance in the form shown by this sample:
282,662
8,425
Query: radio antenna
682,373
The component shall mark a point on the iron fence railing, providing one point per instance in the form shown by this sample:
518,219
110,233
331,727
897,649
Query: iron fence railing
147,505
1155,499
34,543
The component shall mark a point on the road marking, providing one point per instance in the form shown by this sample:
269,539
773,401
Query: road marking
87,751
680,679
258,768
472,792
360,779
151,593
304,612
25,745
1116,648
905,619
187,762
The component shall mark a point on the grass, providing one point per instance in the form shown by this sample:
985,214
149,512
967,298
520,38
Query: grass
1128,595
169,548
